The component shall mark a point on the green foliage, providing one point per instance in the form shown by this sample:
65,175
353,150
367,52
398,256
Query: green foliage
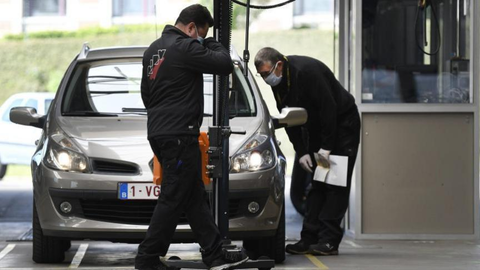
38,65
54,79
84,32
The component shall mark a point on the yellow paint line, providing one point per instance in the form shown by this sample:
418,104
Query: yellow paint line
316,261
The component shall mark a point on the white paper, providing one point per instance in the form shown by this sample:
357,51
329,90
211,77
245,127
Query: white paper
320,174
337,175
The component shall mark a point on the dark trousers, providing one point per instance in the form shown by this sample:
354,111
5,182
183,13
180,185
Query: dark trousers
326,207
182,190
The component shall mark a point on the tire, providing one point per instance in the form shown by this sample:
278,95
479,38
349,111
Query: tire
46,249
67,244
299,187
3,170
272,247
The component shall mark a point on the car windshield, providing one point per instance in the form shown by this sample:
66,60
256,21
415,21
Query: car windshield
112,87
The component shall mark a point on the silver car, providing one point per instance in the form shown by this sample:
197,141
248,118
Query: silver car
91,172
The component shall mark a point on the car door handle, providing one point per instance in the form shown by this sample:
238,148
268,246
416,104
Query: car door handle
36,142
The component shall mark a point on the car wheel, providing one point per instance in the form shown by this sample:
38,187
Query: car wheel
46,249
299,187
272,247
67,244
3,170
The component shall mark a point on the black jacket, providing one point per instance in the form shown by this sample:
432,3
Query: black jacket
172,82
333,120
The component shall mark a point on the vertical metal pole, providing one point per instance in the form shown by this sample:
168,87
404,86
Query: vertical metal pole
224,185
458,29
216,18
223,16
246,52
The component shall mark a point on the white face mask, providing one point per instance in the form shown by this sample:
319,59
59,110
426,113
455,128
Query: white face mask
272,79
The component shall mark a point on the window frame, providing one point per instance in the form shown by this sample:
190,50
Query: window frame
28,11
148,9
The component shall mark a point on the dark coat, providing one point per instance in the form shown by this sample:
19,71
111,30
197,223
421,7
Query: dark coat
172,82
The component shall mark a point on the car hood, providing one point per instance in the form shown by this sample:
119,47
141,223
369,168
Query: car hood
125,138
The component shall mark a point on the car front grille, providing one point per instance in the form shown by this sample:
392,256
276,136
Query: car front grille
107,166
138,212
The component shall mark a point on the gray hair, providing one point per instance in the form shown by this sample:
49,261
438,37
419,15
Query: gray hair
267,54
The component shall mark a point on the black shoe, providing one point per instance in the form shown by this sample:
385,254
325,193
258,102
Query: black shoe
301,247
323,249
229,259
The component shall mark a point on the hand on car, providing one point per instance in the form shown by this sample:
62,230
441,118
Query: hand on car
306,163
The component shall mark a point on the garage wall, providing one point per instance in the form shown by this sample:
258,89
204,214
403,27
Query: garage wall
417,173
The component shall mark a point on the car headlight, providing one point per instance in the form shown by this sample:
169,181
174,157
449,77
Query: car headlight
62,154
257,154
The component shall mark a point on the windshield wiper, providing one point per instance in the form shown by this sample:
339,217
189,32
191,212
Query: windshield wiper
135,110
139,111
89,113
134,80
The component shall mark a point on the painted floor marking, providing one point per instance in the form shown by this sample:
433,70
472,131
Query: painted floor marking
79,256
316,261
6,250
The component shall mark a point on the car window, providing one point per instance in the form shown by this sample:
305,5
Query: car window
241,101
48,102
6,114
112,86
32,103
104,87
241,98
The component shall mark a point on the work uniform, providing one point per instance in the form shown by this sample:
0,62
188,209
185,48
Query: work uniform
333,124
172,91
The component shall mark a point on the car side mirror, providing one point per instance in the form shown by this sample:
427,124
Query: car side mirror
290,117
27,116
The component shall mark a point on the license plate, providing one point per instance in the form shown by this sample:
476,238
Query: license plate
138,191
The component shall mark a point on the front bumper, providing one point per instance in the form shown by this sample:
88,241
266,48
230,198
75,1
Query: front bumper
98,214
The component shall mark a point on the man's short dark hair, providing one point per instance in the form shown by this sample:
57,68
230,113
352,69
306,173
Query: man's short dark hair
195,13
267,54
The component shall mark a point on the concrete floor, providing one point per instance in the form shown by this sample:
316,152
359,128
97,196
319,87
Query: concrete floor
368,255
15,253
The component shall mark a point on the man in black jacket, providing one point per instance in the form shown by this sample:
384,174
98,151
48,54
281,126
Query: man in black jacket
172,91
333,126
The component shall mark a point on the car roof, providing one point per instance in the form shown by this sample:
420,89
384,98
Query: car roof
113,52
124,52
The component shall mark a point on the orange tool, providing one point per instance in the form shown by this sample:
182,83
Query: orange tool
204,144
